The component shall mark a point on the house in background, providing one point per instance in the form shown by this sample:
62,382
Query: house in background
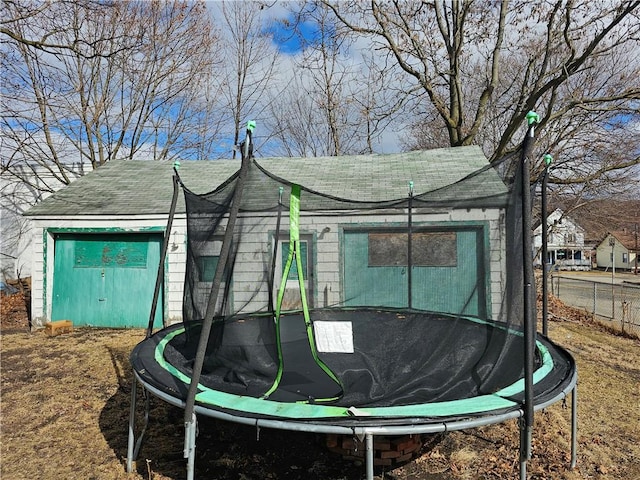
566,249
97,242
22,186
618,251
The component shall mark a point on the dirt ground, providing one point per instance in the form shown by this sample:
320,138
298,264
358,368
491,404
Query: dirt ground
65,410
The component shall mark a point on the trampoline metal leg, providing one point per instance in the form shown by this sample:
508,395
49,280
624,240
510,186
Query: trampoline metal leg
132,422
133,446
525,447
574,426
190,445
369,455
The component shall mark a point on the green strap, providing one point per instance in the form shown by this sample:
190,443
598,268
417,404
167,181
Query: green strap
294,253
294,239
294,245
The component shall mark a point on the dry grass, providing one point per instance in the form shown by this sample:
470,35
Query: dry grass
65,408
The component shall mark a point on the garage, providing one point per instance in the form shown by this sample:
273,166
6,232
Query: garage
106,279
96,243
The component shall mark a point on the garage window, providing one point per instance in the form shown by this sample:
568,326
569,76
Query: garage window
428,249
114,252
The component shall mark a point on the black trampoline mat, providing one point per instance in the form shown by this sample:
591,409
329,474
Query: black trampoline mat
412,358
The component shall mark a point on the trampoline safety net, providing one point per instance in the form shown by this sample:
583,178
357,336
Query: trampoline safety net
353,297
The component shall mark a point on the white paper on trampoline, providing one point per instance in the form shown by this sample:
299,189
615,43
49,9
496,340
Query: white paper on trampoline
333,337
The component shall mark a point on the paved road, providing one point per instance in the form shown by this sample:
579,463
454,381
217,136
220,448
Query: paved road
600,276
612,297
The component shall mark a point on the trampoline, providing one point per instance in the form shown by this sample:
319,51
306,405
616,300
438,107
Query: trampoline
423,325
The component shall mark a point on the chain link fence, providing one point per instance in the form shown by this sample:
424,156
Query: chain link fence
614,303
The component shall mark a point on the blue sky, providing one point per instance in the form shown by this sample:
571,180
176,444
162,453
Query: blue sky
287,39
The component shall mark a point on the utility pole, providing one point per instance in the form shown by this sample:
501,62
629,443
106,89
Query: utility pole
612,242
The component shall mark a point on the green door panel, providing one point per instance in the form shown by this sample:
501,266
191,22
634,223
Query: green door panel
106,280
371,286
451,289
455,285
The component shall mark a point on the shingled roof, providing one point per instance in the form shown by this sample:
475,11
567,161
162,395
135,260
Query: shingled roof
130,187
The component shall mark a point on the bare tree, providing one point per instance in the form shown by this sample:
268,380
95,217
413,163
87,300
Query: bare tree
108,81
333,105
86,82
321,116
43,23
250,66
293,123
477,68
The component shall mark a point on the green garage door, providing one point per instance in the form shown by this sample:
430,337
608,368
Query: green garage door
106,280
448,273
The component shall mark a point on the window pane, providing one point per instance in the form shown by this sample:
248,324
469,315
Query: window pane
293,273
207,267
429,249
117,251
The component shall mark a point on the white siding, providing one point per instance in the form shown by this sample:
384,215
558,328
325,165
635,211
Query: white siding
256,248
326,230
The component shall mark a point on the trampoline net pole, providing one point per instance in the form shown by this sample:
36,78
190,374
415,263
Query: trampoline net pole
163,253
217,279
410,248
276,239
528,292
544,255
